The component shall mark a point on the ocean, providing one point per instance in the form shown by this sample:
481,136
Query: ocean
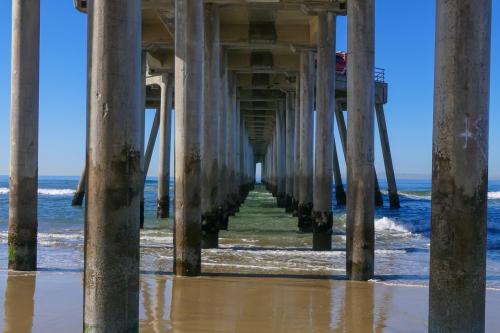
261,239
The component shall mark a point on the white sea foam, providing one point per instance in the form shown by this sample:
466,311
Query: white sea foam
46,191
415,196
494,195
387,224
55,191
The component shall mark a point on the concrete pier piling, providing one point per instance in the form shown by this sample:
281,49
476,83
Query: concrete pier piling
210,154
281,154
163,200
80,189
153,134
111,274
296,150
340,197
341,125
360,240
189,37
386,152
223,214
322,215
460,167
23,223
289,150
306,141
142,128
229,152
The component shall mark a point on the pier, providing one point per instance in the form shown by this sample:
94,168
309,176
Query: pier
253,82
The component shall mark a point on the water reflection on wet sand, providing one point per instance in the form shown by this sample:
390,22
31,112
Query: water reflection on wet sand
52,302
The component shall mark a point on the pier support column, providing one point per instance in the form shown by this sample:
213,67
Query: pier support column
163,201
80,189
153,134
296,150
142,124
223,215
189,36
306,141
280,154
386,151
460,166
231,118
339,186
289,147
360,227
210,158
23,223
379,201
322,216
111,273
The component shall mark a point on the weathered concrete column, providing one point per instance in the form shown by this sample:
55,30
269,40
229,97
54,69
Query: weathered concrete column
230,118
360,227
163,201
281,154
23,223
379,201
339,186
222,144
142,127
306,141
386,152
189,37
80,189
242,180
322,216
210,157
237,156
296,150
111,290
460,167
151,145
289,150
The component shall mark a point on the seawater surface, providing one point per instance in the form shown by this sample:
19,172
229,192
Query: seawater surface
261,239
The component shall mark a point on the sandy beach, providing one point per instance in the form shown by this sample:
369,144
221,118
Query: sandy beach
52,302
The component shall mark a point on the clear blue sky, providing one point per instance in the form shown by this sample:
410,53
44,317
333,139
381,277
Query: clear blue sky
404,47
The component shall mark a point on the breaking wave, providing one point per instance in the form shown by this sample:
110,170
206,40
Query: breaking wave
387,224
46,191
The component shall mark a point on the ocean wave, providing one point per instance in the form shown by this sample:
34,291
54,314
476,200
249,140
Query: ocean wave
46,191
387,224
416,195
494,195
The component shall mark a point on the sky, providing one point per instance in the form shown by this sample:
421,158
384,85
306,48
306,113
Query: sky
404,48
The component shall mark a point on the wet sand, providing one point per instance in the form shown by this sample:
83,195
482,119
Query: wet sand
52,302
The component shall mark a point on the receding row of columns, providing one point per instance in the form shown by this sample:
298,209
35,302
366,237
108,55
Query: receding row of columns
115,160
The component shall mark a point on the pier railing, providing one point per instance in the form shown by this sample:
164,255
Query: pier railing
379,74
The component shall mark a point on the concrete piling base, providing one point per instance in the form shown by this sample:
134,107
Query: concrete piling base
281,200
288,204
322,223
78,198
209,231
304,214
340,195
141,214
163,208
